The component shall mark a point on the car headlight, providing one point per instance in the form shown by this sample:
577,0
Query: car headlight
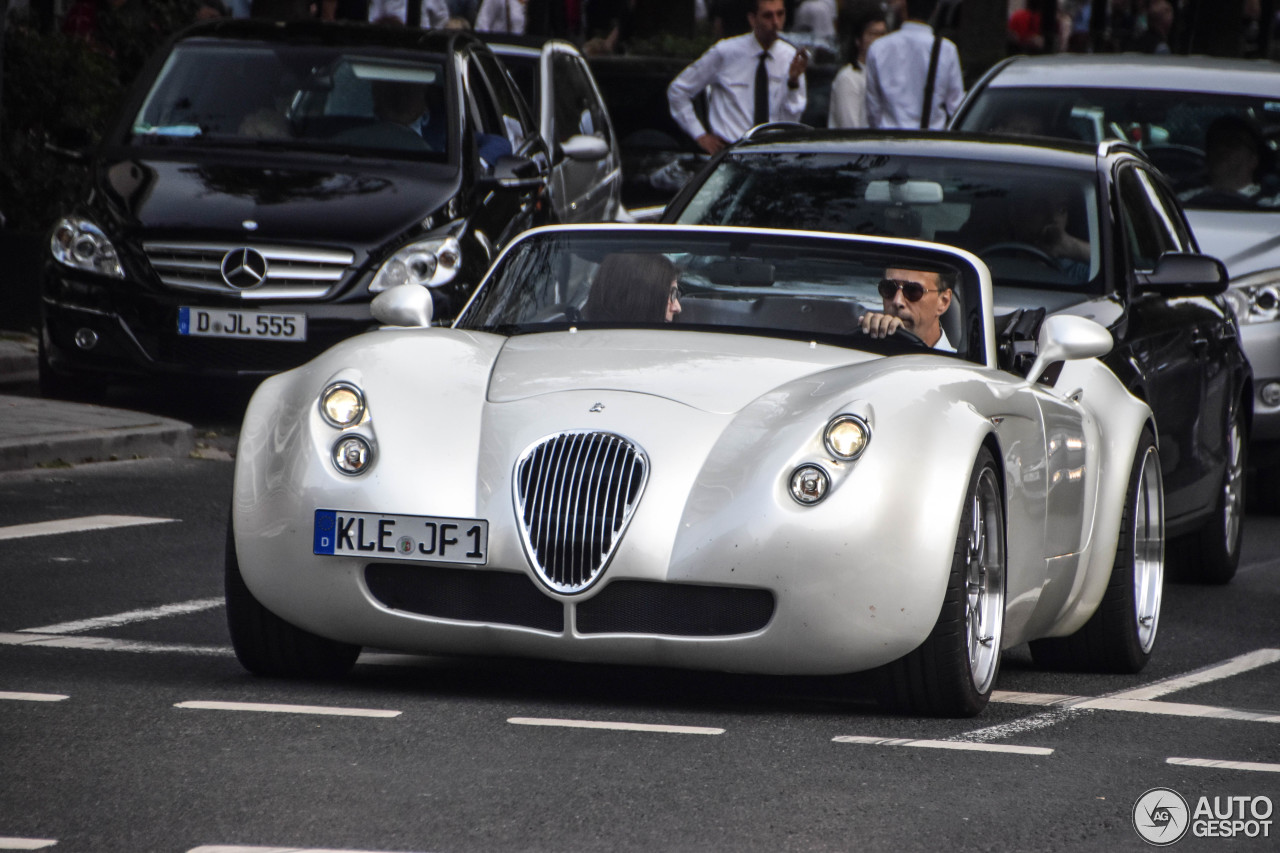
79,244
427,262
846,437
1256,298
352,455
809,484
342,405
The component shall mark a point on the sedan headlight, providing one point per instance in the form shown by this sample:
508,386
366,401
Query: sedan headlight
846,437
342,405
427,262
1256,298
80,244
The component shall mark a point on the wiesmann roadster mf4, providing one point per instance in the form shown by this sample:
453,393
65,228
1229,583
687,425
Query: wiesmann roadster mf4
676,446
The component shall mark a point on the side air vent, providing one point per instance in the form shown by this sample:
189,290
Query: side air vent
575,493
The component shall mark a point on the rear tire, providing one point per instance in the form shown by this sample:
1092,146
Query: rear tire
1121,633
953,672
267,645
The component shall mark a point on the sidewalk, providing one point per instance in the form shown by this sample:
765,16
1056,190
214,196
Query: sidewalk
38,433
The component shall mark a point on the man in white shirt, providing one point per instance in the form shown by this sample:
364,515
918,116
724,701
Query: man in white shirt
434,12
914,300
898,74
730,71
501,16
817,17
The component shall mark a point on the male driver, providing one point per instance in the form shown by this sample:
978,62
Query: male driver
914,300
750,79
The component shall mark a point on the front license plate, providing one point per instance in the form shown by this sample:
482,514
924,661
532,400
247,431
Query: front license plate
245,325
401,537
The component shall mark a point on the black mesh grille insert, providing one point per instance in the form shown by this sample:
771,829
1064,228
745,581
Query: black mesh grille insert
467,595
681,610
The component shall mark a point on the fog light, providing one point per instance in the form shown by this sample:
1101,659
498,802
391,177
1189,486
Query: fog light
809,484
1271,394
352,455
86,338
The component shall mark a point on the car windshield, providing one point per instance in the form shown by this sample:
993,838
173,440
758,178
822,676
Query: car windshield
1033,226
1218,150
300,97
791,286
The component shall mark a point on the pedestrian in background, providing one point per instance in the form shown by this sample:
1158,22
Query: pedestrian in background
750,79
866,22
434,12
913,75
501,16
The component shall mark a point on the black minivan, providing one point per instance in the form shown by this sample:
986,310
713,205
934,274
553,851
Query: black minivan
264,180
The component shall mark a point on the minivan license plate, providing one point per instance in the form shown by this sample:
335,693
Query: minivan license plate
245,325
401,537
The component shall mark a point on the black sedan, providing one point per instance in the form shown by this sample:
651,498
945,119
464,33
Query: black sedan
263,180
1088,229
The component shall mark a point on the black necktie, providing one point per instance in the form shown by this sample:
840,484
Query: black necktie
762,90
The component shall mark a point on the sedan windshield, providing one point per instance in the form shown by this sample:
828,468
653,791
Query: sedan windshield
298,96
768,284
1218,150
1033,226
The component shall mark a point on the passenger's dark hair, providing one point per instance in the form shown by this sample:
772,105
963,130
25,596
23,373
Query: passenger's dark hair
921,10
631,286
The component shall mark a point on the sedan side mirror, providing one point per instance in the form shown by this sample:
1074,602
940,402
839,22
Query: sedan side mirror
403,305
583,147
511,172
1066,337
1185,274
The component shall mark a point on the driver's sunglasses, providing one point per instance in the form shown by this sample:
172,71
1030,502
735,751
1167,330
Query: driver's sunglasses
674,294
914,291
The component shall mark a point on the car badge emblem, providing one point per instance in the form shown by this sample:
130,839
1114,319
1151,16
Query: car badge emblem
244,268
598,407
249,225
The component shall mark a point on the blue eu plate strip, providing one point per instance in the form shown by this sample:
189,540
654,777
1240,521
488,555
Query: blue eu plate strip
184,321
326,524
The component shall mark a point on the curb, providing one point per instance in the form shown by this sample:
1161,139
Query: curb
62,434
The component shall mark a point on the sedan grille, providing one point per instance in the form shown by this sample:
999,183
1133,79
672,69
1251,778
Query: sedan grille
575,493
284,272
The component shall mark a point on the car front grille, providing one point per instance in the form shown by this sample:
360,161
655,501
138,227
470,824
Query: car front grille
291,272
575,494
465,595
675,609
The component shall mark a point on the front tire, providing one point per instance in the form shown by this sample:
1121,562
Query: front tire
1217,544
953,672
1121,633
267,645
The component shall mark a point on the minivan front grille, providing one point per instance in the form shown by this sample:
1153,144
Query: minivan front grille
575,493
291,272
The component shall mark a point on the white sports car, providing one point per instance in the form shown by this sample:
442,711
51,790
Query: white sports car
676,446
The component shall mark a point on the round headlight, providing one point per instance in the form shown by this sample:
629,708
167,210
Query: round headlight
352,455
846,437
809,484
342,405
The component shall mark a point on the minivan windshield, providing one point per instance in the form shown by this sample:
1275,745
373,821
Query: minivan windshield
298,96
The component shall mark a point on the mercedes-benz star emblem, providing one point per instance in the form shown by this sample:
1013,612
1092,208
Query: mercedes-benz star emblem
244,268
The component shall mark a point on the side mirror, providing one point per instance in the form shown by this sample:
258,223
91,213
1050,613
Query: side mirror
1065,337
511,172
583,147
1185,274
403,305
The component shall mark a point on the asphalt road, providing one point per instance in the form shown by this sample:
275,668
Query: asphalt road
126,723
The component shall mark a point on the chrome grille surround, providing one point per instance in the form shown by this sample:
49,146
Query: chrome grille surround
575,493
293,272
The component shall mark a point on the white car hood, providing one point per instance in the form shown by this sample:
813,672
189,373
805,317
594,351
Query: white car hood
712,373
1246,242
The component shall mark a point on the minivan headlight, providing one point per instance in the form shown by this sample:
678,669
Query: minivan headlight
426,262
78,243
1256,298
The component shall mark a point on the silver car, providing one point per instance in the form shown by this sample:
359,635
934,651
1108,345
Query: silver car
1195,118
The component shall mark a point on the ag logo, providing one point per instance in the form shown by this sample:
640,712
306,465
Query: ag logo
1161,816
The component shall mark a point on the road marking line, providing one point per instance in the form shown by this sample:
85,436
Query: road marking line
1215,672
240,848
287,709
118,619
32,697
106,644
1224,765
622,727
26,843
1133,706
77,525
945,744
